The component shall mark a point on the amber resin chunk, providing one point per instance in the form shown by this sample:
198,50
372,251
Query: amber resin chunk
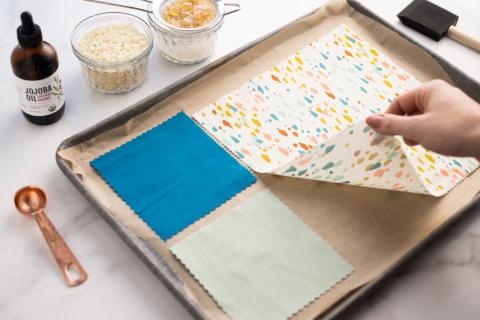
189,13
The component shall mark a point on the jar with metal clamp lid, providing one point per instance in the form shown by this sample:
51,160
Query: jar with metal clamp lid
186,45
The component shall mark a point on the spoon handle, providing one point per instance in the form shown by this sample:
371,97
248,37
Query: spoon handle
65,259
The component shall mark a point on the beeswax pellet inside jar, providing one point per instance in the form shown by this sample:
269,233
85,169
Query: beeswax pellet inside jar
189,13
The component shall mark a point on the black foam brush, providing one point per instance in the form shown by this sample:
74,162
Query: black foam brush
435,22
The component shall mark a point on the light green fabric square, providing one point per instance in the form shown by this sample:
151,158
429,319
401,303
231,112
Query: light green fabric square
260,261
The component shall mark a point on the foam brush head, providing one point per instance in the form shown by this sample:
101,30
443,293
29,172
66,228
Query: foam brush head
428,18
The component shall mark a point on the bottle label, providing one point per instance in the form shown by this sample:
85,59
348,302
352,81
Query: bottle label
41,97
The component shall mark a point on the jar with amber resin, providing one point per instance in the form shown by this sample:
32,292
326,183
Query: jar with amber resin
186,30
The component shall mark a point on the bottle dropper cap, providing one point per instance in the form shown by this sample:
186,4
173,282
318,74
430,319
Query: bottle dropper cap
29,34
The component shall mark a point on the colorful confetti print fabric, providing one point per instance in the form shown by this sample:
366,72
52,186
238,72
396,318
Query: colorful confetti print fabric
305,118
260,261
173,175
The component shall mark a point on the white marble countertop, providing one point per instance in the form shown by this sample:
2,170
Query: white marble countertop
442,283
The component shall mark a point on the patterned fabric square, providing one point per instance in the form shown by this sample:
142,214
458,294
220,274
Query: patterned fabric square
305,118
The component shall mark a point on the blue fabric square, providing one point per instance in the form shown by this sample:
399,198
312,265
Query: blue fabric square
173,174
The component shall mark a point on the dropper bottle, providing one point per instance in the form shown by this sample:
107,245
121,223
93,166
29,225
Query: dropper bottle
35,65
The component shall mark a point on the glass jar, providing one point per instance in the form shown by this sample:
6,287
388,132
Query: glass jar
113,77
186,45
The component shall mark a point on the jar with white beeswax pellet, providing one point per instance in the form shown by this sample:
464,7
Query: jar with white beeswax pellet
186,30
113,49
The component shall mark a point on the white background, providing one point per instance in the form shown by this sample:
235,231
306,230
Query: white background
442,283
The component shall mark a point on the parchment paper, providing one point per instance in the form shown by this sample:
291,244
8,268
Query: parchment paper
371,228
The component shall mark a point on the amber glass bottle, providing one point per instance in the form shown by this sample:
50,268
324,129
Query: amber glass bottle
35,65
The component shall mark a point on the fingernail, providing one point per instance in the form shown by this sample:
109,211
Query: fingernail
375,121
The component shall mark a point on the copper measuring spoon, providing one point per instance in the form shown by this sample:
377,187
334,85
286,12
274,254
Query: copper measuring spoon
31,200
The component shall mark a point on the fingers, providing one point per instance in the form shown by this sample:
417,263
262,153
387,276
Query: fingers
389,124
416,100
410,142
404,104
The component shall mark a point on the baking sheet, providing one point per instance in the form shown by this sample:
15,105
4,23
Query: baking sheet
372,229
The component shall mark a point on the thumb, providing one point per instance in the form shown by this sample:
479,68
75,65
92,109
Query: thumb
390,124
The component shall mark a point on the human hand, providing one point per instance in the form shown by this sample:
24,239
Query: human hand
436,115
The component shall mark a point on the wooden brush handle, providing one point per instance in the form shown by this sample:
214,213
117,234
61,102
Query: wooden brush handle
464,38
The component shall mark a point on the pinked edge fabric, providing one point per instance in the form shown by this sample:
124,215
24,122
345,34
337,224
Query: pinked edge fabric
379,161
285,120
172,175
260,260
